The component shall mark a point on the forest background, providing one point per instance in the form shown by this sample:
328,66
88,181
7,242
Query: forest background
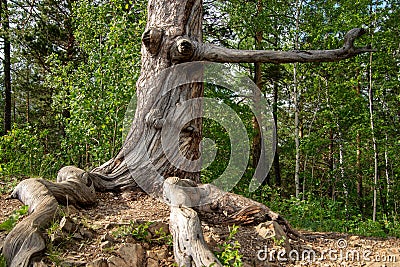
70,67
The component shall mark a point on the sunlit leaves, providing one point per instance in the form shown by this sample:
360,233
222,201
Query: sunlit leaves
97,91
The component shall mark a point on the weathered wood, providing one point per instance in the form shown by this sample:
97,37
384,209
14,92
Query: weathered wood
142,159
214,53
190,248
219,207
25,241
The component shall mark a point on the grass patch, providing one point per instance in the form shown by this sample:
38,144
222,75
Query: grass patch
140,232
9,224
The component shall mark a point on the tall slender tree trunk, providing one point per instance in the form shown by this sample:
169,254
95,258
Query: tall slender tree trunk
27,107
7,66
374,142
358,158
277,168
296,132
296,103
372,122
342,171
387,174
256,143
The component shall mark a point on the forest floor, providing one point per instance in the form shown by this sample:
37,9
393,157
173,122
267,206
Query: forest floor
100,233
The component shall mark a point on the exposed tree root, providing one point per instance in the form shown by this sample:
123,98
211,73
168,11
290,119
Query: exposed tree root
190,248
25,241
76,187
239,210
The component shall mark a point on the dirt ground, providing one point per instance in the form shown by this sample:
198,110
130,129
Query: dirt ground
113,211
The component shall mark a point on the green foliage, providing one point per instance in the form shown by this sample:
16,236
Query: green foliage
53,228
9,224
54,253
325,215
229,251
96,92
140,232
24,154
279,242
162,236
2,261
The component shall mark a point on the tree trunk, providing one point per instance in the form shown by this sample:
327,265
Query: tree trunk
277,167
296,133
372,123
258,81
341,169
27,107
167,24
387,175
374,142
164,139
256,127
296,105
7,66
358,158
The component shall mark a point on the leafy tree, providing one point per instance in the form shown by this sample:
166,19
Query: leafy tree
96,92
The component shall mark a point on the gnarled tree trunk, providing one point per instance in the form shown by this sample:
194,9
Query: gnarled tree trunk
173,36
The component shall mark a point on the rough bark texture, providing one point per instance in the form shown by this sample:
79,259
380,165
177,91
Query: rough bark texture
219,54
43,197
172,36
190,248
168,22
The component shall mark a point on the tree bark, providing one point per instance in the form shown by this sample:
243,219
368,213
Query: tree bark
374,142
173,36
7,65
218,54
277,167
296,105
296,132
25,241
360,194
257,141
372,123
190,248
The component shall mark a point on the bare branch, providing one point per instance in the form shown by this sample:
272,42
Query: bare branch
208,52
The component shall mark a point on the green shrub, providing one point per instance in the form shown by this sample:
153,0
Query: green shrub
2,261
23,153
229,251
